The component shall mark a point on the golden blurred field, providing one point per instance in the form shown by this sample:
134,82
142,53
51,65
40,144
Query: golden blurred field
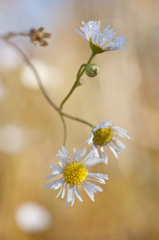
31,132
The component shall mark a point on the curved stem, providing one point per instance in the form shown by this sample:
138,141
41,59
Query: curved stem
65,129
41,86
73,87
79,75
77,119
14,34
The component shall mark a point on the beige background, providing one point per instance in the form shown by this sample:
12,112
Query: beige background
126,89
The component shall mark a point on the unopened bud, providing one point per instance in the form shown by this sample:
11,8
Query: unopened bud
92,70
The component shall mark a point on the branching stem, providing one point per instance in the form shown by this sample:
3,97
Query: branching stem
62,114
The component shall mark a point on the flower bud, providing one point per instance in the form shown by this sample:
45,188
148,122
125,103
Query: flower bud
92,70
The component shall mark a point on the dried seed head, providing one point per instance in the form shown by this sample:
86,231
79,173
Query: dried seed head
37,36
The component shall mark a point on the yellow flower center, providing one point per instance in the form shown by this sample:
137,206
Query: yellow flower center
103,136
75,173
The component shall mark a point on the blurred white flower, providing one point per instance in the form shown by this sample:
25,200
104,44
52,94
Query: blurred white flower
105,135
32,217
13,138
101,42
50,76
75,173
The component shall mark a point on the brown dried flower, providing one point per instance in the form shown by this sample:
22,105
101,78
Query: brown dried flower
38,36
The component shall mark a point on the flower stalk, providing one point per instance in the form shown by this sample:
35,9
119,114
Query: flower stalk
76,83
33,69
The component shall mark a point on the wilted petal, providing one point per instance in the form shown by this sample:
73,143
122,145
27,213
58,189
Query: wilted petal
104,155
90,139
113,151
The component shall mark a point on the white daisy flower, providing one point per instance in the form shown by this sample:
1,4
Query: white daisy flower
101,42
105,134
76,173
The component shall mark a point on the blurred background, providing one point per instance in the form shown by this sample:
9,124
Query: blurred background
31,132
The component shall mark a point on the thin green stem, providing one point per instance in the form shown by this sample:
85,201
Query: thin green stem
26,59
79,75
73,87
77,119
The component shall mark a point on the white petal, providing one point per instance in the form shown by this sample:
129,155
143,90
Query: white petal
104,155
111,35
90,139
63,191
96,128
53,175
61,164
118,150
78,155
61,156
66,153
57,184
93,186
97,180
50,184
59,191
80,33
90,155
121,132
77,194
90,187
88,191
82,154
103,125
95,147
70,195
92,162
113,151
105,30
74,154
57,168
124,135
98,175
118,144
73,196
106,124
